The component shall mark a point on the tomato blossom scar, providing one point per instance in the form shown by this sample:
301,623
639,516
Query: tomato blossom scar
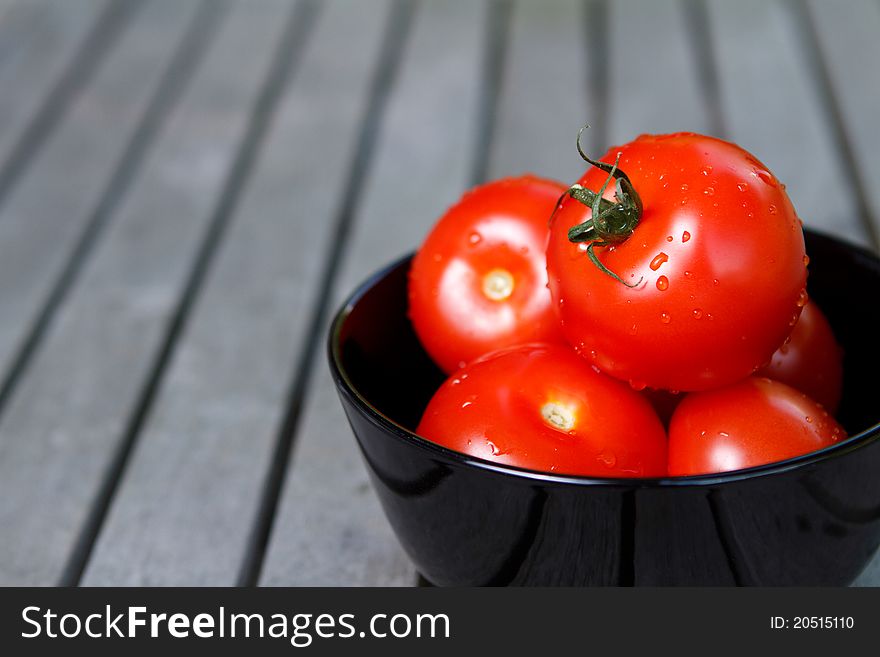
498,284
558,415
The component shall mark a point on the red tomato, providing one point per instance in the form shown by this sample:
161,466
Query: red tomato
714,267
810,360
479,281
541,407
752,422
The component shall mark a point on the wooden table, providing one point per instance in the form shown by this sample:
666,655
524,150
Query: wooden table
188,188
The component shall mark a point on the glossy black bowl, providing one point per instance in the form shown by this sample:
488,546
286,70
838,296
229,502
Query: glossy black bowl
811,520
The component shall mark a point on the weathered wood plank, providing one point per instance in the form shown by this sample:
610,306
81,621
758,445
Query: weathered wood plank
848,46
46,61
653,79
772,108
329,529
542,102
186,504
47,473
54,201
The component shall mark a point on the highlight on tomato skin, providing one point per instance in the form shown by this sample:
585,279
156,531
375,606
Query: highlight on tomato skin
750,423
706,285
542,407
810,360
479,281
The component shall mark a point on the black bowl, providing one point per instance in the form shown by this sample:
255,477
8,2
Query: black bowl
810,520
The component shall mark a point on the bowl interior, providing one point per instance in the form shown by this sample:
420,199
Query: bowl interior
381,357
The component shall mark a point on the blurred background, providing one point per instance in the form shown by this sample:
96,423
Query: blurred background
188,188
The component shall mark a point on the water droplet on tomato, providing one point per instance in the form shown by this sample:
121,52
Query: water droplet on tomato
724,434
793,320
475,238
665,318
658,260
697,313
685,236
662,283
466,404
637,385
742,187
802,299
684,187
633,329
688,274
669,238
771,209
806,260
714,281
608,458
765,176
493,448
455,382
706,170
809,419
593,354
709,191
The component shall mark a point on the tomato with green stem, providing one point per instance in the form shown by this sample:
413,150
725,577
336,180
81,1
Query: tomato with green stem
677,262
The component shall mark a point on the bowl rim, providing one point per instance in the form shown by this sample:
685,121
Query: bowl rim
344,384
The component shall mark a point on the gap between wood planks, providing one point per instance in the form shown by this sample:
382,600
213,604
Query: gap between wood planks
97,42
175,79
830,105
282,69
397,29
166,95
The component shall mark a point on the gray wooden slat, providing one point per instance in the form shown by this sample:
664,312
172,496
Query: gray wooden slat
105,337
772,108
849,49
329,529
185,506
39,54
870,576
37,41
52,203
542,102
17,21
51,60
654,81
42,497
